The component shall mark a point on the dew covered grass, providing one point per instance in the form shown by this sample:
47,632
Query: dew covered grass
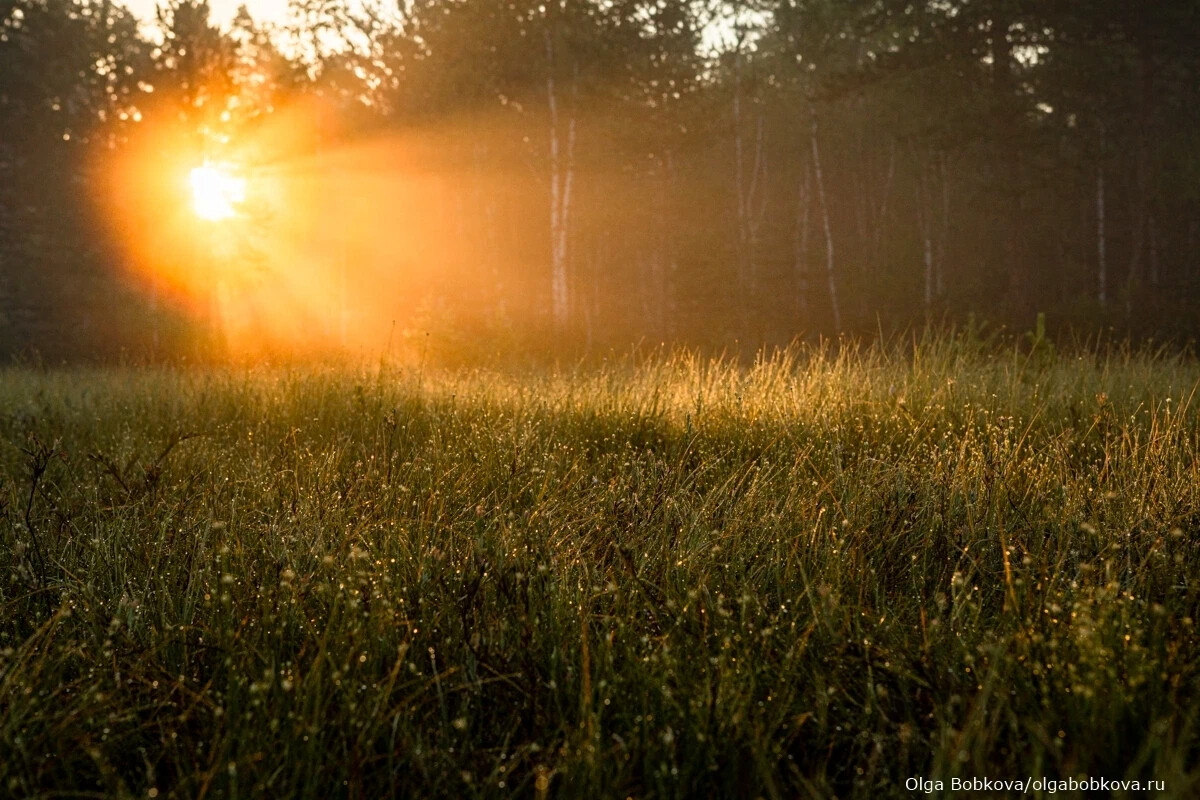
822,574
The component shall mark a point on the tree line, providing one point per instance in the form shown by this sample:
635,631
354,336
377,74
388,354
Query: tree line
620,170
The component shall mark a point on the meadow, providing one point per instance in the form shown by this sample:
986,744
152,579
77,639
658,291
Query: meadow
823,573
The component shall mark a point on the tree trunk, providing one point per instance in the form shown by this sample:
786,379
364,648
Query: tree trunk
748,187
562,177
881,212
940,259
743,259
925,221
800,245
830,276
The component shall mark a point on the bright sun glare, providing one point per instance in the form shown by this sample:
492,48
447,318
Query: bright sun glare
216,190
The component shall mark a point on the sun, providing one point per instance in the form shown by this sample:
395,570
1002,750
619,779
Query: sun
216,191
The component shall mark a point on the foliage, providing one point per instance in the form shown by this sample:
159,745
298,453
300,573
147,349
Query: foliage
996,157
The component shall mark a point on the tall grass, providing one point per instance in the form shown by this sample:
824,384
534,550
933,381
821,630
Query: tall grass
822,574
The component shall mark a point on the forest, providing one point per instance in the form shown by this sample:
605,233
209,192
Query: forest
483,174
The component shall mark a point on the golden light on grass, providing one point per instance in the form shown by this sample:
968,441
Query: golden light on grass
216,191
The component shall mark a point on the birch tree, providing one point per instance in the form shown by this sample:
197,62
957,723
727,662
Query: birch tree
830,274
562,180
749,176
933,210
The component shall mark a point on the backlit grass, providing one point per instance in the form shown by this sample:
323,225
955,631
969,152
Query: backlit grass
820,574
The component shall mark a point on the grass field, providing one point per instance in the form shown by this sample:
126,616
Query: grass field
823,574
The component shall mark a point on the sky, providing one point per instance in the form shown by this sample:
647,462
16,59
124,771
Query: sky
222,10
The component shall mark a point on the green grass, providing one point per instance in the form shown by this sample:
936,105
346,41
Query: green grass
823,574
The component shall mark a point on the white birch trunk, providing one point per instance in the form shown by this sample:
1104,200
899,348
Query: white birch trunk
830,276
749,218
562,176
757,180
740,181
